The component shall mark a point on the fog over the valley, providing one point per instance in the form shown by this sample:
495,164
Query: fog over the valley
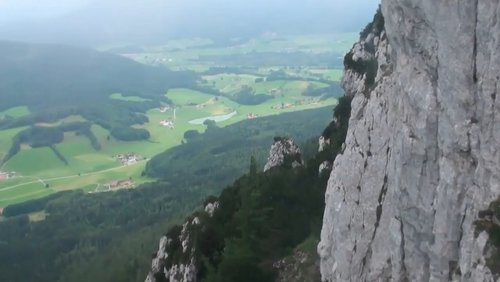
100,22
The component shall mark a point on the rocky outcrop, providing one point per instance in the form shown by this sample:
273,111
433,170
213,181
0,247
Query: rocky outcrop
323,143
176,258
422,153
324,167
284,152
211,207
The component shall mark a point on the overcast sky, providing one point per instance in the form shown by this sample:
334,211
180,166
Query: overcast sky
106,21
19,10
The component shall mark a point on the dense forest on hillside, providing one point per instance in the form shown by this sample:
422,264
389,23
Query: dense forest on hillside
109,237
80,82
77,75
236,142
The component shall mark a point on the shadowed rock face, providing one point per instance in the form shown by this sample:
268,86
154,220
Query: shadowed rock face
422,154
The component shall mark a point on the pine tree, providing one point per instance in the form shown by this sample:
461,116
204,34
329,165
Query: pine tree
253,167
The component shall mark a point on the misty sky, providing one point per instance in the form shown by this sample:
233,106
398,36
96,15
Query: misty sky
19,10
94,22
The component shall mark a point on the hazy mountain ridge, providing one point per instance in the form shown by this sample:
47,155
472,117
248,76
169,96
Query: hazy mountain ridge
56,81
76,74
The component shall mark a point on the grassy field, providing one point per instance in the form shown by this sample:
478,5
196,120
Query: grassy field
119,96
72,118
15,112
228,83
40,172
183,97
185,54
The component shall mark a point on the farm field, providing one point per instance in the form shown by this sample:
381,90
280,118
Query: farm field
202,54
15,112
119,96
40,172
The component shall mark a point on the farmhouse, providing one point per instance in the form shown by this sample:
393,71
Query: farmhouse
167,123
252,116
128,159
164,109
6,175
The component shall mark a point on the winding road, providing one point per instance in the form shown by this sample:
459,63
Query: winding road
64,177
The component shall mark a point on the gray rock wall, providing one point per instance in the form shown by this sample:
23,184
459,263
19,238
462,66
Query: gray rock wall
422,153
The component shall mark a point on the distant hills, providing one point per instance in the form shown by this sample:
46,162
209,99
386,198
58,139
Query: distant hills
40,76
55,81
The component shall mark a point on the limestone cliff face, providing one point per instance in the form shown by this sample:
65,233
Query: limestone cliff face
422,154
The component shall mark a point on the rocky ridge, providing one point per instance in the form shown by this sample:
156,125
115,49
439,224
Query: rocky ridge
421,157
167,264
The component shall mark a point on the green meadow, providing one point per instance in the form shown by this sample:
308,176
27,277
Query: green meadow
39,172
119,96
201,54
15,112
90,168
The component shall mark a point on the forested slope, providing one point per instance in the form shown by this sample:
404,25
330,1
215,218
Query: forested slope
110,236
260,219
55,81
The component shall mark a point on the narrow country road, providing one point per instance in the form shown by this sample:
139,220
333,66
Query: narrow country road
65,177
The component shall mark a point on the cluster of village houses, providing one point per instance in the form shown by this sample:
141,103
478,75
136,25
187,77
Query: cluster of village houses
252,116
128,159
4,175
167,123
